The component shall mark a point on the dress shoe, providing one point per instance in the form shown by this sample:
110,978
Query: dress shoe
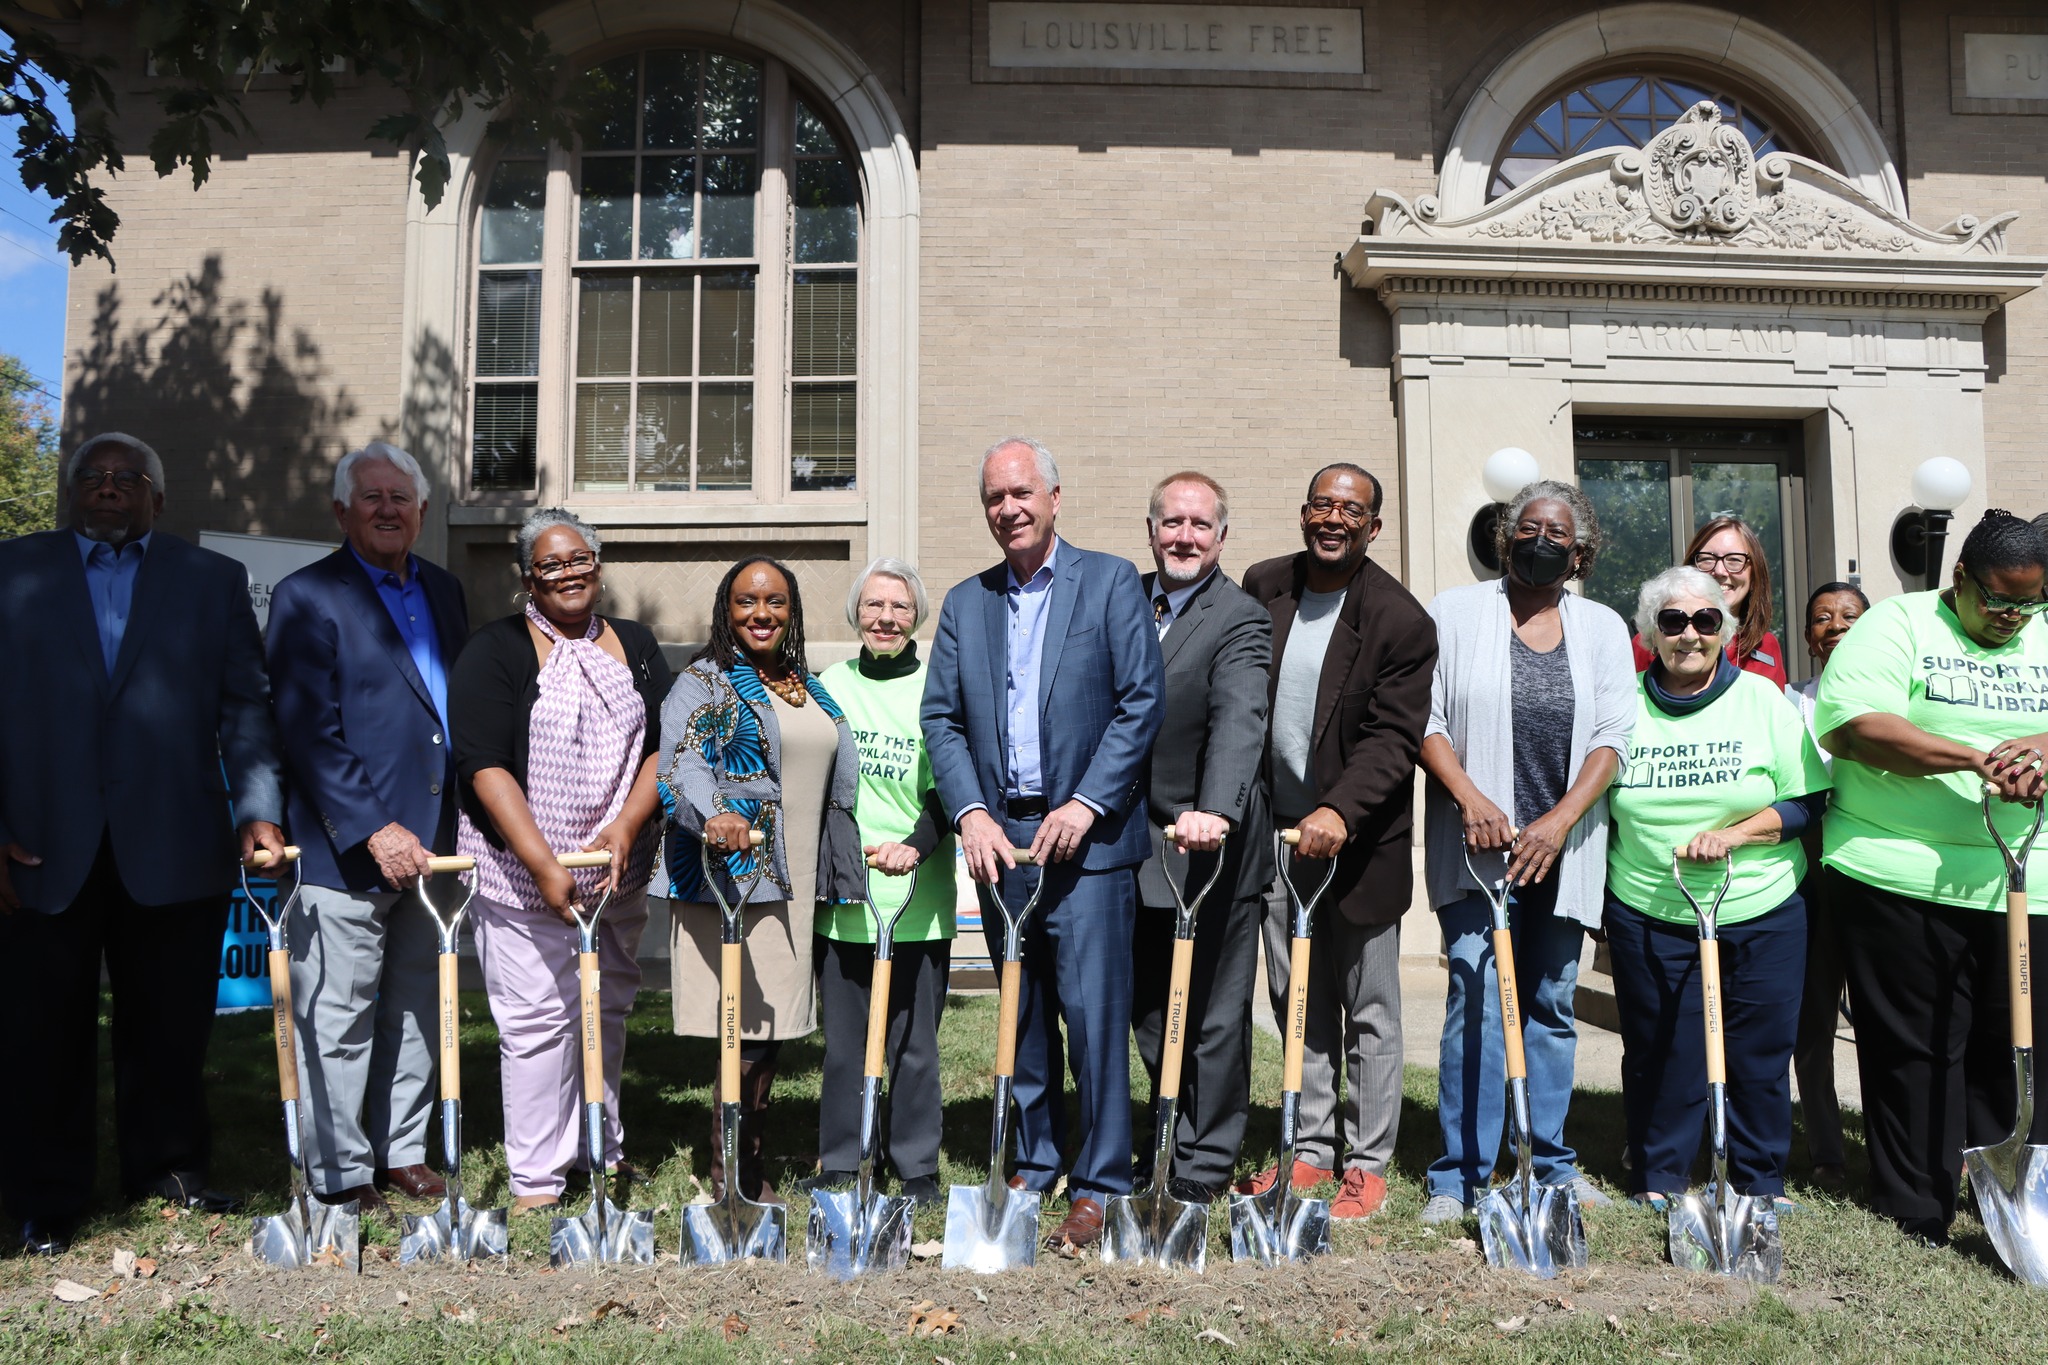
1306,1178
366,1197
828,1180
922,1190
1362,1195
1016,1182
417,1182
43,1237
1081,1229
1190,1191
188,1193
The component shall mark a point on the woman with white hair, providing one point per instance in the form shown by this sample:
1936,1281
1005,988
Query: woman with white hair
1718,767
901,827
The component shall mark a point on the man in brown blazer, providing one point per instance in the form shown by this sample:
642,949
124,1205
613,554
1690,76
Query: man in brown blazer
1353,654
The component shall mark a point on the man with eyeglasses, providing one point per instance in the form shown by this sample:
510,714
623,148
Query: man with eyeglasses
137,762
1353,656
360,647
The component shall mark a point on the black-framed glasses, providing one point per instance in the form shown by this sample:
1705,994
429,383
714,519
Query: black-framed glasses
126,480
1707,621
1735,561
1352,512
576,565
1999,605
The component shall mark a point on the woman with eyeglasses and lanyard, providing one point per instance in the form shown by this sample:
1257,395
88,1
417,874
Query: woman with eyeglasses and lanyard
1932,698
552,713
1718,767
1729,551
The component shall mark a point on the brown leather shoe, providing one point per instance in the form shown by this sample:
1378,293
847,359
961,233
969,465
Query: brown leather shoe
366,1197
1081,1229
417,1182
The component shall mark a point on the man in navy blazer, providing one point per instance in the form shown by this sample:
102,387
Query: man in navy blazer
135,733
360,648
1044,693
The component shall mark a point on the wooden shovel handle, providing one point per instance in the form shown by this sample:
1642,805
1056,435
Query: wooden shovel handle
261,857
281,1024
2020,972
1710,1006
1290,837
729,1023
1176,1018
1510,1003
598,858
1006,1018
878,1015
451,1031
1297,1014
593,1028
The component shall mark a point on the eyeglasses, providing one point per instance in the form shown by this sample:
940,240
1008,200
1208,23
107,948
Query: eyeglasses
1706,561
1707,621
576,565
1997,605
126,480
1354,513
876,607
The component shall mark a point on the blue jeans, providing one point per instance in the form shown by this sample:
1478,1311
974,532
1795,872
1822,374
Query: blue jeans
1471,1087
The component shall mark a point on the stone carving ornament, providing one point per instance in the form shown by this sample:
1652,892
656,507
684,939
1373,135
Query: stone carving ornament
1698,175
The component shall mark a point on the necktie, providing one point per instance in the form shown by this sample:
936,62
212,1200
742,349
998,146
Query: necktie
1160,607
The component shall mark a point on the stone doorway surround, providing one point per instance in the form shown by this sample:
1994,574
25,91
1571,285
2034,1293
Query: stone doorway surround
1687,278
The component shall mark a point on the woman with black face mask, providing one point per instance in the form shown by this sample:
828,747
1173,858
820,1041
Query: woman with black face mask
1530,713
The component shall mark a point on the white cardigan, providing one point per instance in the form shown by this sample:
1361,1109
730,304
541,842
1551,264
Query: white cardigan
1472,704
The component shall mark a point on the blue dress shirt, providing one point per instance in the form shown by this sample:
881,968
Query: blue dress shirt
1027,603
110,581
414,616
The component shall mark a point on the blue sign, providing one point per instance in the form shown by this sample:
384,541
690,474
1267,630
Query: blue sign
245,952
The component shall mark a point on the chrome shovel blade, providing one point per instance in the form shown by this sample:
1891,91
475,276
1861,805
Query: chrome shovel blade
334,1237
990,1228
1152,1227
734,1229
460,1233
1549,1234
2010,1184
1714,1232
1278,1226
616,1237
847,1239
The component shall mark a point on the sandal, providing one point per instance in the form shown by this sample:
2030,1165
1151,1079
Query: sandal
534,1203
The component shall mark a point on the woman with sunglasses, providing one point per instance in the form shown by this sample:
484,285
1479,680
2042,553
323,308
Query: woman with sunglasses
552,712
1719,767
1729,551
1932,699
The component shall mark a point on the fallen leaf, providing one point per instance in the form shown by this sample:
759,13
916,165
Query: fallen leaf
1145,1315
1210,1334
1465,1244
403,1298
203,1282
564,1324
461,1315
71,1291
145,1267
124,1262
611,1306
928,1321
980,1294
1563,1305
219,1225
165,1299
1614,1325
735,1326
1513,1324
1341,1334
925,1251
170,1213
941,1360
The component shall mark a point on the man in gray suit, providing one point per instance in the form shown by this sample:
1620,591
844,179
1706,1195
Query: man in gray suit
1217,644
135,736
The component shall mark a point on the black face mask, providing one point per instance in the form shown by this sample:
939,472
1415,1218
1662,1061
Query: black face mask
1540,562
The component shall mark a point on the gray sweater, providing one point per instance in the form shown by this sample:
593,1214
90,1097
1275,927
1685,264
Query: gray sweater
1471,705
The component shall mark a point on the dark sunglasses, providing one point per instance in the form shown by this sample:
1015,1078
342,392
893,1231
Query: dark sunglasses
1672,621
1997,605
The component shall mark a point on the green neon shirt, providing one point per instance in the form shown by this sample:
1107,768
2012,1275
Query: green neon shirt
1712,768
1924,837
895,774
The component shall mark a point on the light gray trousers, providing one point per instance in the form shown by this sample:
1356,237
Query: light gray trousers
1354,1012
364,992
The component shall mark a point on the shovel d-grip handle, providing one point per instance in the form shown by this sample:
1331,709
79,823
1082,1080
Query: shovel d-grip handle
261,859
451,863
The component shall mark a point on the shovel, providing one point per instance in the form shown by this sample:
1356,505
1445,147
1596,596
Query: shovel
992,1227
308,1231
455,1230
1151,1225
2010,1181
857,1230
1717,1231
1279,1225
605,1232
735,1228
1524,1226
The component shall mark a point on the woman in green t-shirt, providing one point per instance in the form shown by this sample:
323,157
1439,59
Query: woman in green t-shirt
1719,765
1932,697
901,827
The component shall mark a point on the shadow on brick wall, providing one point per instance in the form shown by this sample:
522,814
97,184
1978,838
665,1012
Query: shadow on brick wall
238,403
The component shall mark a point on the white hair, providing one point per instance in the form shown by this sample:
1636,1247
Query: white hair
1048,468
889,567
345,469
542,519
151,464
1682,581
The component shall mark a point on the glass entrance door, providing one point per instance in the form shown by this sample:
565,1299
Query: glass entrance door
1655,482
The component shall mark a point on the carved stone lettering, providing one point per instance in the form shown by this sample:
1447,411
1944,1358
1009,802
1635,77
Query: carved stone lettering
1687,336
1147,37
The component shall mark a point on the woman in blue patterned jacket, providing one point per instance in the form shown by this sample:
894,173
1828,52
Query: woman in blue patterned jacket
750,740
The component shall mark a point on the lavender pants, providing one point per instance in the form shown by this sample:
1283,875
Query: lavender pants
529,964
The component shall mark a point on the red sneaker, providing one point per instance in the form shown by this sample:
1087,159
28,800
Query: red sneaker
1306,1177
1362,1195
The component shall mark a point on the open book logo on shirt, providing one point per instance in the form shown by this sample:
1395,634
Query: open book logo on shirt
1953,689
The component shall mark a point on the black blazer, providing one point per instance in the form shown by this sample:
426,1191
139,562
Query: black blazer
363,744
150,755
1211,743
492,689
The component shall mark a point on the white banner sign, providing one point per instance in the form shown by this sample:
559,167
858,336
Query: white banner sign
269,560
1177,38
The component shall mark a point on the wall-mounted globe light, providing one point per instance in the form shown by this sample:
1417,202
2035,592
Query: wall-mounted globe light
1507,472
1918,536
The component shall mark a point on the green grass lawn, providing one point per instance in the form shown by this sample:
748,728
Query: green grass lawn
1853,1289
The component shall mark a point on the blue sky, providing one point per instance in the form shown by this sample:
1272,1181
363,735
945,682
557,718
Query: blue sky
32,273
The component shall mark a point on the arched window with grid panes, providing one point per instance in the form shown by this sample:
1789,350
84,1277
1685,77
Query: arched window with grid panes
671,309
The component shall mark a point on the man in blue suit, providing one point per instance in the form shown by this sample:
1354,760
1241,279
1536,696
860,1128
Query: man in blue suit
360,648
1044,694
135,733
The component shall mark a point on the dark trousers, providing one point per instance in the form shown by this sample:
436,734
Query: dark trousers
1216,1075
1933,1044
1076,972
917,996
1820,1010
164,966
1664,1044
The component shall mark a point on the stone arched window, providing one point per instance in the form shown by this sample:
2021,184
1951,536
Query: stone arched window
671,307
1625,108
